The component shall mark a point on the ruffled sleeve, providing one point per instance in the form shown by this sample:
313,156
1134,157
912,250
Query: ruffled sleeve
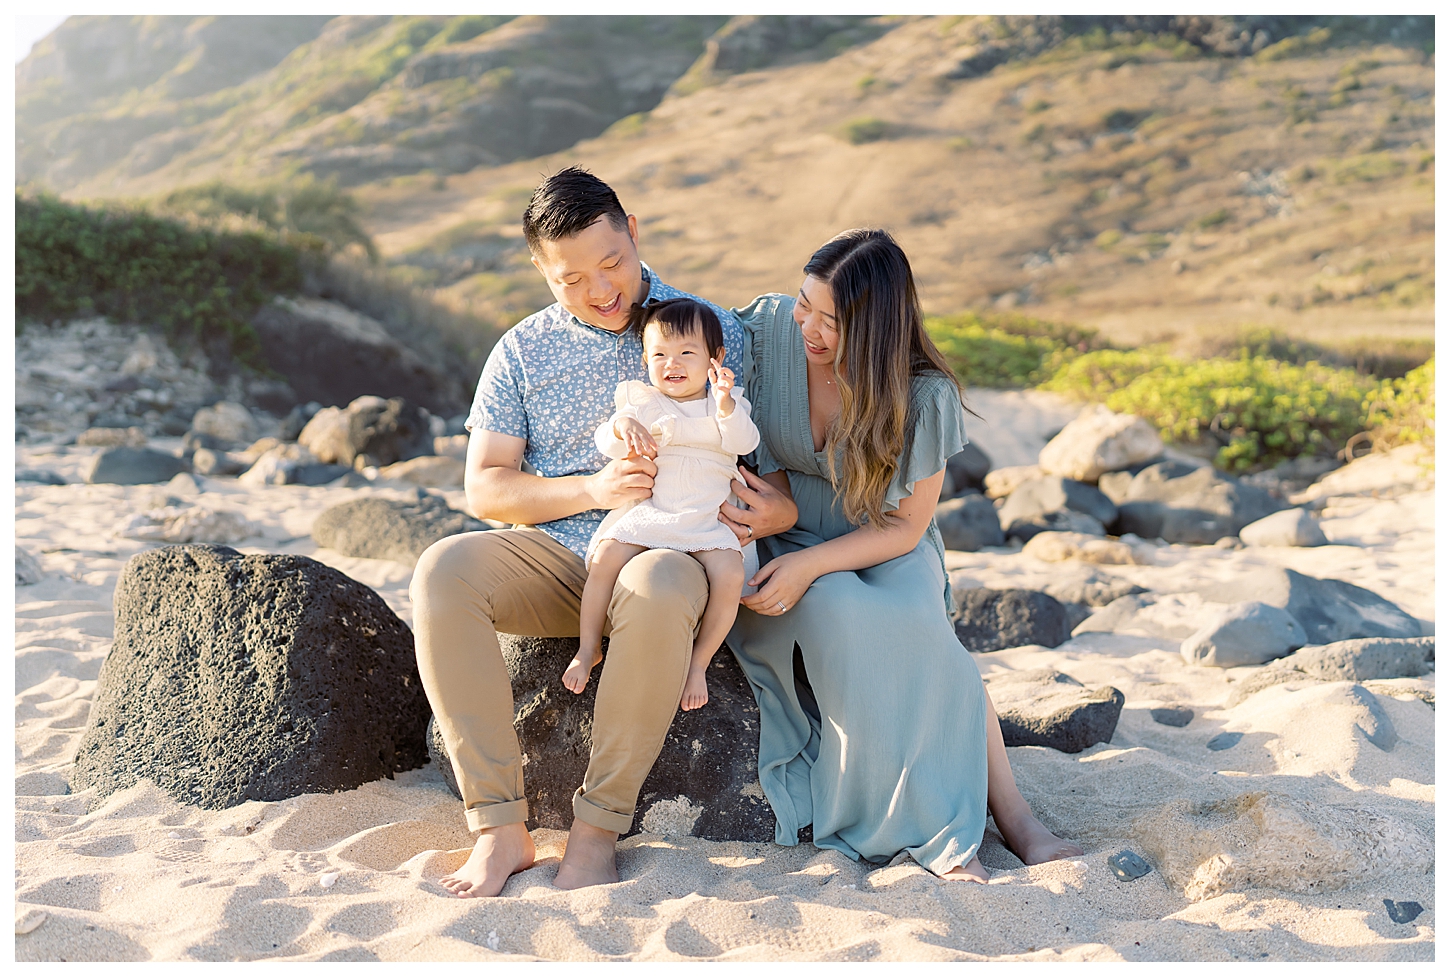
761,322
939,433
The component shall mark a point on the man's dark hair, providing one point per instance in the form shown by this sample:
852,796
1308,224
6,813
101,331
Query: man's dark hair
568,202
681,318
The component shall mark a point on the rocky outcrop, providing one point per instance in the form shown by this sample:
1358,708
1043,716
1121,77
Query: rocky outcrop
384,529
1328,610
706,772
968,523
1291,527
331,354
1043,707
190,524
1249,633
227,421
1098,441
1181,504
370,431
1085,585
990,620
1057,547
261,677
132,466
1033,504
966,471
430,471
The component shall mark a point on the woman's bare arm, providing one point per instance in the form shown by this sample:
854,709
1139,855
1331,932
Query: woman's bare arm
783,580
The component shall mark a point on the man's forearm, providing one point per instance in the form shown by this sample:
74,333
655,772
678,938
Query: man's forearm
509,495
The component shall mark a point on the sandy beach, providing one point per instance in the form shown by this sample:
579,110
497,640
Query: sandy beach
1285,847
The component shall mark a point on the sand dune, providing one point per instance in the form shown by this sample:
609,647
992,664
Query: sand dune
1281,848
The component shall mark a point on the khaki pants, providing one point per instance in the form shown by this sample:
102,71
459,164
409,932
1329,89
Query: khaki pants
523,581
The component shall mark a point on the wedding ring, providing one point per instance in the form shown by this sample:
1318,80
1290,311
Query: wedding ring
781,605
749,532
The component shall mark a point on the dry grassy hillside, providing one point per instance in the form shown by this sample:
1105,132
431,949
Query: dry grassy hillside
1121,181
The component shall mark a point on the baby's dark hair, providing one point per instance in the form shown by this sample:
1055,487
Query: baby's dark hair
681,317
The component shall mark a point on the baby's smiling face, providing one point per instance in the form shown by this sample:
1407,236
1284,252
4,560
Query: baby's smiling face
679,366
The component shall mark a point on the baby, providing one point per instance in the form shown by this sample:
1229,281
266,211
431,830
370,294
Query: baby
693,434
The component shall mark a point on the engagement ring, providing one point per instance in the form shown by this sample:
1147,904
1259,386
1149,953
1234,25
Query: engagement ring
781,605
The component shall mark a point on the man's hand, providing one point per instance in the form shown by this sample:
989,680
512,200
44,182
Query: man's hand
623,480
772,510
636,437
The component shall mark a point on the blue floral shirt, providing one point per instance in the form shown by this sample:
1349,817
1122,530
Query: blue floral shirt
550,380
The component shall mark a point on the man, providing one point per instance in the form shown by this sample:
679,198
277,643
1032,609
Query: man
547,385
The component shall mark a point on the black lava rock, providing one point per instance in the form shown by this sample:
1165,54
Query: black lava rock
334,362
1182,504
709,756
968,469
1025,512
1043,707
990,620
968,522
383,529
1128,865
133,466
1403,912
261,677
297,419
39,476
1328,610
1224,741
1178,716
316,474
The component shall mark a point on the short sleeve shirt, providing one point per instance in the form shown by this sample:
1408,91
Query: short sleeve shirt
550,380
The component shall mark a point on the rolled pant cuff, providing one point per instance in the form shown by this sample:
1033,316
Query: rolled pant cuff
592,814
497,815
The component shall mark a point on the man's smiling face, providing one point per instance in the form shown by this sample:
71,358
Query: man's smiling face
595,274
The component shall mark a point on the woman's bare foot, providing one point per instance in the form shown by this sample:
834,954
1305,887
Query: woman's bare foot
1029,839
498,853
973,871
588,858
696,695
576,676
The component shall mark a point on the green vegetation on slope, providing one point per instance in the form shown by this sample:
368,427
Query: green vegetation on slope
197,284
1265,399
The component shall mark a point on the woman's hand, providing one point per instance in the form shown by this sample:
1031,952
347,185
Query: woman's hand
772,510
638,442
782,582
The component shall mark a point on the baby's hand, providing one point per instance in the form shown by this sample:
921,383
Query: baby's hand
722,381
636,437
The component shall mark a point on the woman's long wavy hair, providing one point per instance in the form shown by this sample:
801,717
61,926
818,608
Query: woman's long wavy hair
882,344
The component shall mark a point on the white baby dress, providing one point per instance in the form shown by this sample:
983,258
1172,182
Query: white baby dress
696,461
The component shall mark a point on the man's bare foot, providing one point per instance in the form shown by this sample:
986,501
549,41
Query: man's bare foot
1029,840
576,676
973,871
696,695
588,858
498,853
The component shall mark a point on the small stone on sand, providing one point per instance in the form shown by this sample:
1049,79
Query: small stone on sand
1128,865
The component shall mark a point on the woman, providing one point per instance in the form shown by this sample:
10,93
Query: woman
875,727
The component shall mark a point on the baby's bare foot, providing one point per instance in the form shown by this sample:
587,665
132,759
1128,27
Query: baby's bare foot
576,676
696,695
973,871
498,853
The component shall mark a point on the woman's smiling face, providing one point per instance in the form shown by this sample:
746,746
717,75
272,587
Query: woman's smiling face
815,313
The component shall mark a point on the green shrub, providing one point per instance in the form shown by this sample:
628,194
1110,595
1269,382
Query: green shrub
195,284
864,130
1292,46
1208,221
1006,349
305,207
1261,410
1403,411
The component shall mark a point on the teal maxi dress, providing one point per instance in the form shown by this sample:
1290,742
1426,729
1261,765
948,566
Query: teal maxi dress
875,735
